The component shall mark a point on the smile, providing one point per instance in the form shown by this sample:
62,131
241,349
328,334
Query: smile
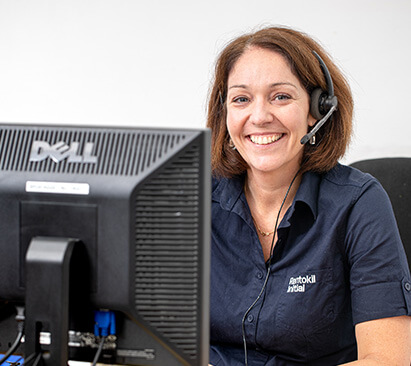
265,140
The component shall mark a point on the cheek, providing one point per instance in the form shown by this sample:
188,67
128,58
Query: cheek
296,119
232,123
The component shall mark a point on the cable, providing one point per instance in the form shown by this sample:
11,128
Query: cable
13,348
98,353
20,333
268,271
104,325
30,358
37,360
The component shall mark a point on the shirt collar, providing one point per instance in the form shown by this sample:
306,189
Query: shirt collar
228,192
308,191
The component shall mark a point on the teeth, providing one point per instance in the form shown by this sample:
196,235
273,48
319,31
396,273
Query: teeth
264,140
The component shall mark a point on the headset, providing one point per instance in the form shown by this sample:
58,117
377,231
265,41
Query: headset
323,103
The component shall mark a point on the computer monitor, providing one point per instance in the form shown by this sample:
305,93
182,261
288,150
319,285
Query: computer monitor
110,219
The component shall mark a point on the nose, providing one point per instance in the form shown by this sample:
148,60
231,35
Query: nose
261,112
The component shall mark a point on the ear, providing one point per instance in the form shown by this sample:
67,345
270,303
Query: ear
311,120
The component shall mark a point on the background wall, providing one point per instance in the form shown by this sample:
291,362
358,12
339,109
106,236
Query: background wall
149,63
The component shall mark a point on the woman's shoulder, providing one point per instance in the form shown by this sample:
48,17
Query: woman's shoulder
345,175
217,186
352,184
215,181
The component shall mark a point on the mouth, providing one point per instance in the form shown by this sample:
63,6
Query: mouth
266,139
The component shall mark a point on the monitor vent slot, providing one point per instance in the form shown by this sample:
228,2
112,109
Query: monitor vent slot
83,151
167,251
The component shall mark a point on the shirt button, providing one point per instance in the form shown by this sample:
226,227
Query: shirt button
259,275
250,318
407,286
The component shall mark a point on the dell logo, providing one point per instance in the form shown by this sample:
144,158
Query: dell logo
41,150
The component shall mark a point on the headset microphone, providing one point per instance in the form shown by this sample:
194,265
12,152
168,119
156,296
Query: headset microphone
323,104
318,125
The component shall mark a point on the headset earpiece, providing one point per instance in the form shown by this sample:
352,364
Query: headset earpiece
317,106
322,104
321,100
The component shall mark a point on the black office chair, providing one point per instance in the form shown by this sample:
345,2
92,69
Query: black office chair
395,176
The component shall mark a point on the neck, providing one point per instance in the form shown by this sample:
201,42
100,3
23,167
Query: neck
266,193
268,200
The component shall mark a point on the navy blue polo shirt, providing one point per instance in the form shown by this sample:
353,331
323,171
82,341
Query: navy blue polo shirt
338,261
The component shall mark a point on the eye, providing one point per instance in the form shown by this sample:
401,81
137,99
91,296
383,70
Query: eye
241,100
281,97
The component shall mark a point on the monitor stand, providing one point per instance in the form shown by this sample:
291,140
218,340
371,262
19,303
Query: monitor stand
48,263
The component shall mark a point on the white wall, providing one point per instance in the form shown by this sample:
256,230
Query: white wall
149,63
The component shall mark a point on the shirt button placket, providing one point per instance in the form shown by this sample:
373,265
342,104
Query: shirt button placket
251,319
250,328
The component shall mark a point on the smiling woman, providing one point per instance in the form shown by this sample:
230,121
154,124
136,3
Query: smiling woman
305,251
297,51
267,112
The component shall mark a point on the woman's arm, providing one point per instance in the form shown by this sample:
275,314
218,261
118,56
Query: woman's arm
384,342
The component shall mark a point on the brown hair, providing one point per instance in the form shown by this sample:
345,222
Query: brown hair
296,47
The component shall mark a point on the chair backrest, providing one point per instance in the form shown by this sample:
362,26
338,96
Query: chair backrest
395,176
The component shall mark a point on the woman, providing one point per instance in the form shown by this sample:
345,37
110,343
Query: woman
307,263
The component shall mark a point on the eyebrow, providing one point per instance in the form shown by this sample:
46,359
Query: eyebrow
243,86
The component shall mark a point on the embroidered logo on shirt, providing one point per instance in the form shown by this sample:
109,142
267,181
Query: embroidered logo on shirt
298,284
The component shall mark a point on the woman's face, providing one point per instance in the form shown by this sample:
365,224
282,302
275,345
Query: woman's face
267,111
